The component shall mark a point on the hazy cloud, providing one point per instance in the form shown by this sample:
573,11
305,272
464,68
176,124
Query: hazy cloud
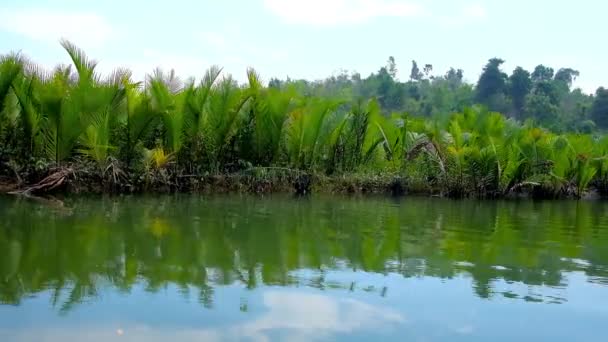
312,316
234,51
83,28
475,11
213,39
337,12
302,316
470,14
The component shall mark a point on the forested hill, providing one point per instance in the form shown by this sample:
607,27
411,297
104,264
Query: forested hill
544,95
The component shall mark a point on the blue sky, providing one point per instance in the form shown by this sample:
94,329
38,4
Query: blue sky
313,38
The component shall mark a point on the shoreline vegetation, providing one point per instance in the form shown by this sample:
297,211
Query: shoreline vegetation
72,130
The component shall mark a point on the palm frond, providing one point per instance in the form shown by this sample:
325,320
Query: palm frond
84,66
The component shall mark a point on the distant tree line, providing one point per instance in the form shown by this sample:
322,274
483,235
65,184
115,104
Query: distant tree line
544,95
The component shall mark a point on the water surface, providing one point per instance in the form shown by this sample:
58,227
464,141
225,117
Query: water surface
234,268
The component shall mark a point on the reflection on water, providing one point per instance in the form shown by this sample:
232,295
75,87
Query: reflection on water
300,269
310,315
305,317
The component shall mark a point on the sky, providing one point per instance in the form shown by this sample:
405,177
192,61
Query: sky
312,39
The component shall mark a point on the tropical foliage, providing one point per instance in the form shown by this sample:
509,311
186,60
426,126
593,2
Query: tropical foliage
165,130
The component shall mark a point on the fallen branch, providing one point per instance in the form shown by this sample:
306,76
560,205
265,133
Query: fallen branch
49,183
523,184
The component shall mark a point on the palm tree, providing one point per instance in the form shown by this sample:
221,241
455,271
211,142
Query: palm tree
573,162
11,67
166,101
72,104
226,102
600,162
139,119
267,114
307,134
95,140
196,108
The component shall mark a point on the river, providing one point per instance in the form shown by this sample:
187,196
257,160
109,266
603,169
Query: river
323,268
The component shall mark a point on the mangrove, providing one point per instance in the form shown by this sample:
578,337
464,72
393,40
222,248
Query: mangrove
74,130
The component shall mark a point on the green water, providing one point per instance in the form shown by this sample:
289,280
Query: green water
233,268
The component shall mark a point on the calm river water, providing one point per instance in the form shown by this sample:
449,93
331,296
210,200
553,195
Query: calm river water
243,268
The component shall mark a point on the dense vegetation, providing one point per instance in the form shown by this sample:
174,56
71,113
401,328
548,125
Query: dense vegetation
543,95
123,135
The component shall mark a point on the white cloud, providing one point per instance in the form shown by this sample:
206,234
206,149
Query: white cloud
83,28
310,317
337,12
302,316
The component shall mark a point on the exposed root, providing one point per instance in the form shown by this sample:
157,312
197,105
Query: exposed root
49,183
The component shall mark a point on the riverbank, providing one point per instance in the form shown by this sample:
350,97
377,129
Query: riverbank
259,181
69,180
115,136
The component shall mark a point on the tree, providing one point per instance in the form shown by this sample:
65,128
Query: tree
454,78
542,73
543,102
599,109
392,67
384,87
415,74
428,68
520,85
275,83
541,108
548,89
575,107
566,76
492,83
563,80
